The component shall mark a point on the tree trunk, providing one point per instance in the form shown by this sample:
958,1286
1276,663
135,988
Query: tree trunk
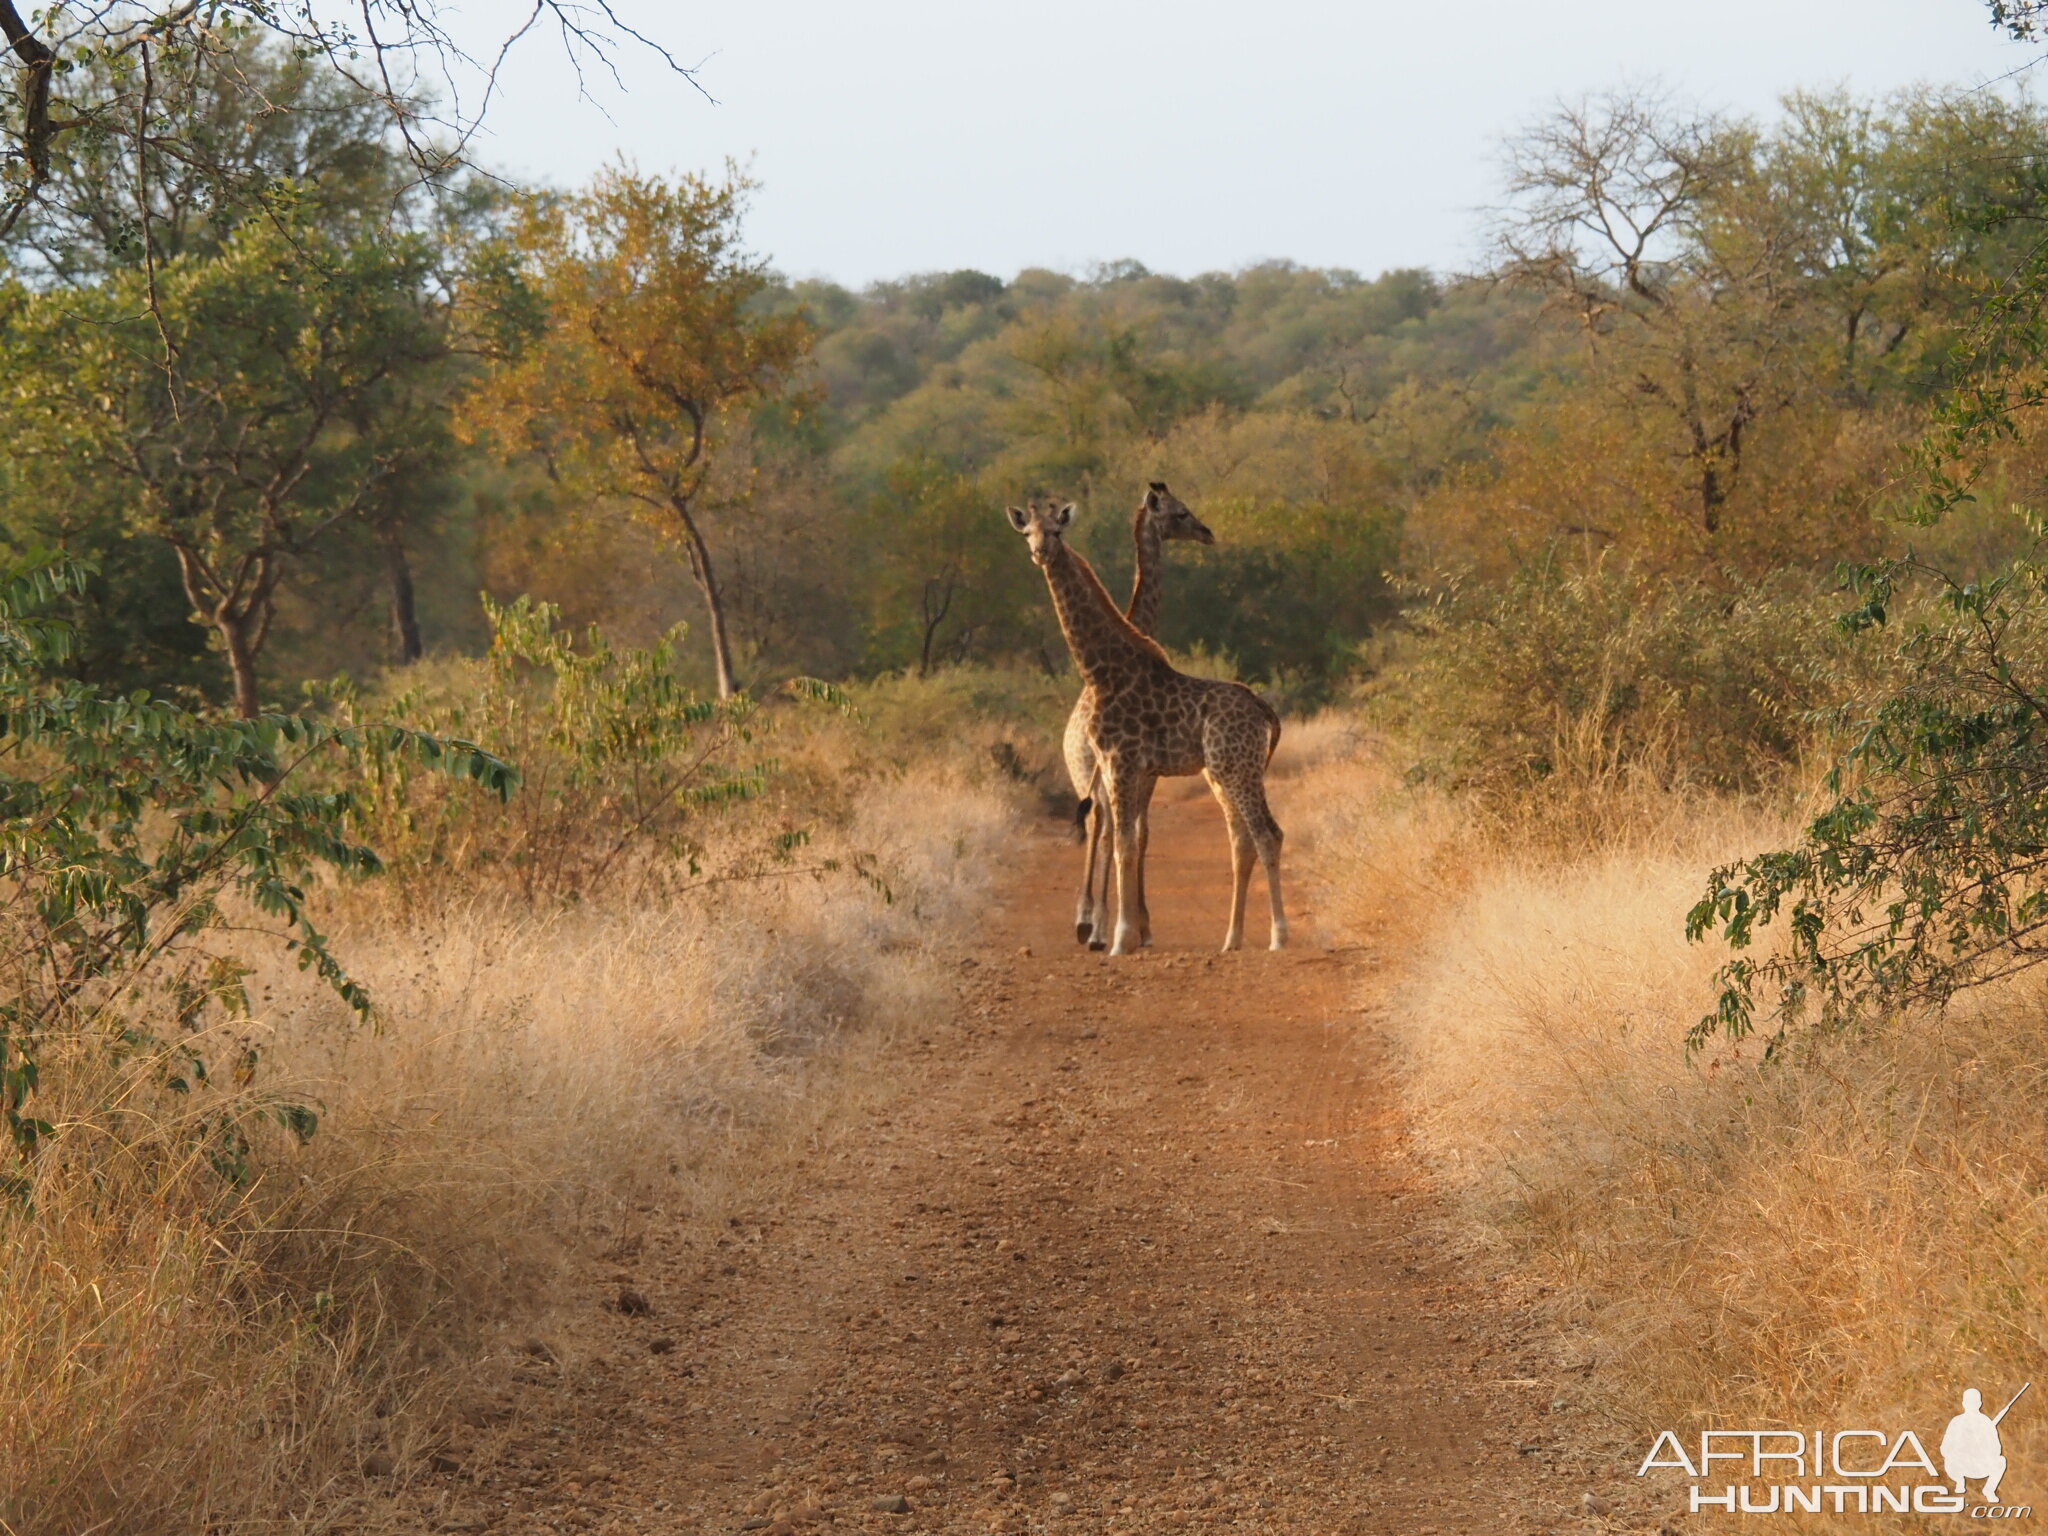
714,602
239,644
405,619
933,614
241,633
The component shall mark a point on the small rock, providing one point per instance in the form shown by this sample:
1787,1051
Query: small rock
660,1346
1062,1500
1024,953
1594,1505
758,1523
1067,1379
891,1504
442,1462
377,1464
1113,1371
633,1303
919,1483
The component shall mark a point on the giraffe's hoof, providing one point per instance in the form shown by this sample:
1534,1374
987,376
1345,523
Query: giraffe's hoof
1082,932
1097,945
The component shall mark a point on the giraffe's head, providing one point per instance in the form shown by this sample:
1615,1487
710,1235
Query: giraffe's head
1170,517
1044,527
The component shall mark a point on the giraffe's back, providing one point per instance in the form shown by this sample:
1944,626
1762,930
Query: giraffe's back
1180,725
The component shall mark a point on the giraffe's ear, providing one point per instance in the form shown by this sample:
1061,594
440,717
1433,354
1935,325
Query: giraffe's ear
1019,518
1065,515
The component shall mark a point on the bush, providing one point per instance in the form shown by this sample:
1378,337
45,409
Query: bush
132,832
1927,872
1599,673
619,758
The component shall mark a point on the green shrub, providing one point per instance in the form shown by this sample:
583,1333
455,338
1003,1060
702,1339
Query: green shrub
620,761
1602,671
134,838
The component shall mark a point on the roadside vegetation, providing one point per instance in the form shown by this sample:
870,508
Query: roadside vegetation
1723,840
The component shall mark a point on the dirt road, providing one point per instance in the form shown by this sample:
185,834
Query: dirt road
1137,1248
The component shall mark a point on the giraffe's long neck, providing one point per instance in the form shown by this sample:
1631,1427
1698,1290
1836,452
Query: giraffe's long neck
1104,644
1143,610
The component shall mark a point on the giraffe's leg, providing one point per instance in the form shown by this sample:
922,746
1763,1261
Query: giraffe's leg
1144,852
1082,773
1266,834
1241,856
1130,792
1101,862
1088,916
1245,798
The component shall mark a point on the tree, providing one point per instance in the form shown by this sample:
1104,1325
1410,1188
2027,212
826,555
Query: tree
940,582
1928,871
239,406
629,337
1612,223
284,140
1756,293
143,66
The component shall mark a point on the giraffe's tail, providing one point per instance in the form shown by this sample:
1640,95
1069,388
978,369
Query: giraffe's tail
1272,728
1088,802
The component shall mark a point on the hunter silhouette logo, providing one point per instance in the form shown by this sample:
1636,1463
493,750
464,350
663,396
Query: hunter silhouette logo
1971,1447
1848,1471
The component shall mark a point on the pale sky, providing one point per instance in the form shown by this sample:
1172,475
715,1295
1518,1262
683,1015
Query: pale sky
904,136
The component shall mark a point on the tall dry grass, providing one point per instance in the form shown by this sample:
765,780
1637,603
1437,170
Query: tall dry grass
185,1350
1847,1235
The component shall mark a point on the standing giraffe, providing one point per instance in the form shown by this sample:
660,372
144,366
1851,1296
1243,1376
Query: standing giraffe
1161,516
1152,722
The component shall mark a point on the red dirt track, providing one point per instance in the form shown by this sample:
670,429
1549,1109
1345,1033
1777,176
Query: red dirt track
1137,1246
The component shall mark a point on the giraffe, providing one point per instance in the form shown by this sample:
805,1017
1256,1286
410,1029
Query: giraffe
1152,722
1160,516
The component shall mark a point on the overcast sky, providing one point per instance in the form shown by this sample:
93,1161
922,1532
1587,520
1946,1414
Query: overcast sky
914,135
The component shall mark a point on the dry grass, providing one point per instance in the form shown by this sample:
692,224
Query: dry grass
1850,1235
179,1353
